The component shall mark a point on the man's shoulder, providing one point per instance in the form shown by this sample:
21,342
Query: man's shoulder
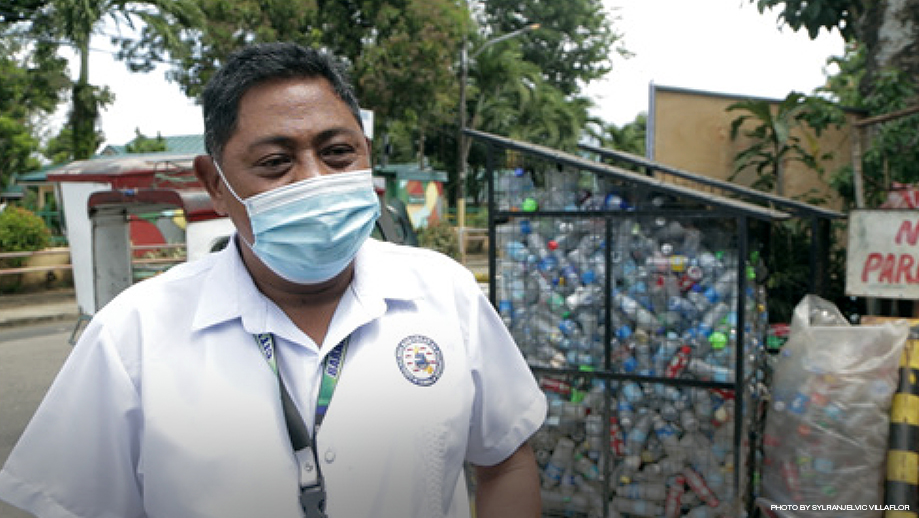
412,257
180,285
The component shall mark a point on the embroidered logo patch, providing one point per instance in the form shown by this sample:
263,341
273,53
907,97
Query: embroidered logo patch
420,360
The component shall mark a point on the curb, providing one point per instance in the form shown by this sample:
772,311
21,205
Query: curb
25,320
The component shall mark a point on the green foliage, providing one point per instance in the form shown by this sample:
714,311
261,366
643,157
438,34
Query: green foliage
891,148
405,57
790,275
32,84
630,138
781,135
144,144
573,46
73,23
894,145
477,218
843,86
440,236
813,15
22,231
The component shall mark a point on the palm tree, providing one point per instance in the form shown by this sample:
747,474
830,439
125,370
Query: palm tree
74,22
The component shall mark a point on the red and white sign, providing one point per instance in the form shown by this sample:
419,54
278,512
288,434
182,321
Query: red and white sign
882,259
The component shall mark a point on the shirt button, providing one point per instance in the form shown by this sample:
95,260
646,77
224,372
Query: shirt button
330,455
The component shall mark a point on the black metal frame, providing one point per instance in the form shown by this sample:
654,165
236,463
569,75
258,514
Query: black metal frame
741,212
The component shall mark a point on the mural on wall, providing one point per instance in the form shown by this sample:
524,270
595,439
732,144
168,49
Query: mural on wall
424,201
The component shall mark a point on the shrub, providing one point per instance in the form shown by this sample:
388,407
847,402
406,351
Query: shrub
22,231
440,236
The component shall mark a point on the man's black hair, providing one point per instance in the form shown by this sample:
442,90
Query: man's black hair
254,65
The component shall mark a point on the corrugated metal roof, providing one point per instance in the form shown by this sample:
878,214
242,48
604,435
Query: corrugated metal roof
179,144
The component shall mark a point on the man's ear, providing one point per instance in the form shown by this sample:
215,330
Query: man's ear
210,179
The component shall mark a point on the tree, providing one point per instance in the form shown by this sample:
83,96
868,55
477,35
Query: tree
145,144
781,135
630,138
889,30
576,40
32,85
401,52
878,74
406,73
75,22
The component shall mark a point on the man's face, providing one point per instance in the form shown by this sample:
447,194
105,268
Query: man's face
288,130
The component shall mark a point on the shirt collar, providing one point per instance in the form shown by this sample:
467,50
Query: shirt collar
229,292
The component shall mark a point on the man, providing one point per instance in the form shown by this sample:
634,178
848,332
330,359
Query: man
199,393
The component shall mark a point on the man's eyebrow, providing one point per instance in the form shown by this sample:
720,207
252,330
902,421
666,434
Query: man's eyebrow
287,141
339,130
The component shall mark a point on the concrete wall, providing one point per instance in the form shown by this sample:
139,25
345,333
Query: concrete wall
691,130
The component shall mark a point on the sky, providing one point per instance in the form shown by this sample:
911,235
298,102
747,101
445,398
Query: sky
723,46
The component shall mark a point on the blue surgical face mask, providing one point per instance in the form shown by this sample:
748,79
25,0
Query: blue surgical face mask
309,231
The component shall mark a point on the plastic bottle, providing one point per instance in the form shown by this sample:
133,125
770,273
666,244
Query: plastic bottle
626,414
673,463
713,317
669,412
632,392
558,463
643,491
636,507
688,421
638,435
567,485
726,284
586,468
699,487
697,296
511,185
707,371
616,441
792,479
553,501
675,490
639,315
702,404
684,307
666,435
679,362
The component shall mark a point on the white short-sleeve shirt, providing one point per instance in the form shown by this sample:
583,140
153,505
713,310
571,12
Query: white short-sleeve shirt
167,408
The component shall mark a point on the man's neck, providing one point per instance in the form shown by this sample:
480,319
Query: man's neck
309,306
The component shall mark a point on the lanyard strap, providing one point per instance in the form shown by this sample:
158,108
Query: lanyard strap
332,366
312,496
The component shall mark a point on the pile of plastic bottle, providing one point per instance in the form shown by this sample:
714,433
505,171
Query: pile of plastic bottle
668,458
673,314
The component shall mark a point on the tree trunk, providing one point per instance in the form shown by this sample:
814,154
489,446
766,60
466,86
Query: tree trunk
890,31
83,116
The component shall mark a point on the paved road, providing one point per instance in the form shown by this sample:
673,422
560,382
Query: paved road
30,357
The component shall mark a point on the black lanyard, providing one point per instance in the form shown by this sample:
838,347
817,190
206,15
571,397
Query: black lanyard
312,495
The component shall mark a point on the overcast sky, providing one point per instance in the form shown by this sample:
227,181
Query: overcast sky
722,46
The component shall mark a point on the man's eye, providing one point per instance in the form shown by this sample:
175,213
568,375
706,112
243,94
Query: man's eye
339,151
274,162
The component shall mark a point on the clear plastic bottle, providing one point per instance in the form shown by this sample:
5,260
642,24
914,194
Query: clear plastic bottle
673,503
638,435
667,436
637,507
652,492
519,187
699,487
562,456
